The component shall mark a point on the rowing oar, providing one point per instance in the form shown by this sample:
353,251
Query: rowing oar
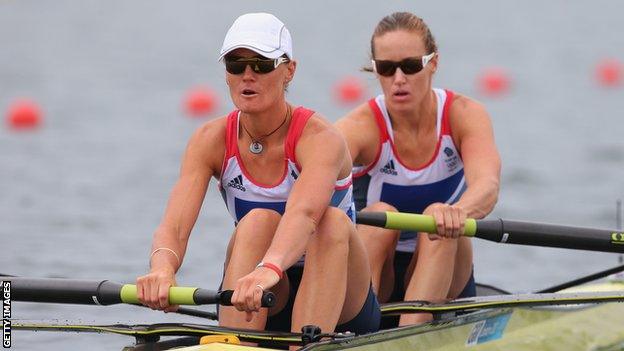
508,232
106,292
502,301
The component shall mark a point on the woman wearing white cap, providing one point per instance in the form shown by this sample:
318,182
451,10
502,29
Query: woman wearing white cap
423,150
285,175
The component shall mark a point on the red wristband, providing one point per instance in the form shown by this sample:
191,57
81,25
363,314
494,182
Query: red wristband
272,267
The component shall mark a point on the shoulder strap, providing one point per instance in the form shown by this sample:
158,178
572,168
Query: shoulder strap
381,121
446,120
300,117
231,139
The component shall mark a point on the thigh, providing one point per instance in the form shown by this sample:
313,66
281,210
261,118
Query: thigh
380,243
253,234
358,274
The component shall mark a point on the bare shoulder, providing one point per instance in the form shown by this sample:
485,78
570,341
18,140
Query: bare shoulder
360,129
466,112
319,128
211,132
322,143
357,120
463,104
207,144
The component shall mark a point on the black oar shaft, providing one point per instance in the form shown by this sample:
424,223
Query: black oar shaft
84,292
549,235
505,231
582,280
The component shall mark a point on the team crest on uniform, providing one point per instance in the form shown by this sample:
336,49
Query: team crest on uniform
448,151
237,183
452,161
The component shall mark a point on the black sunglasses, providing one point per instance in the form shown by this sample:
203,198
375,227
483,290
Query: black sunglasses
410,65
258,65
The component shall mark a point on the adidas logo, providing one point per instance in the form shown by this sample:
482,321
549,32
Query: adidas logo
237,183
448,151
389,168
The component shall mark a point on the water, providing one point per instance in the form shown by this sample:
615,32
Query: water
81,197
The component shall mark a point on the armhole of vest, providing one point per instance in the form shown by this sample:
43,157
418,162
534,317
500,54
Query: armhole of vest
446,113
231,138
300,117
383,136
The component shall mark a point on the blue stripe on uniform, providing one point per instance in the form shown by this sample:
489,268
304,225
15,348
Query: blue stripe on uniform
338,196
415,198
242,207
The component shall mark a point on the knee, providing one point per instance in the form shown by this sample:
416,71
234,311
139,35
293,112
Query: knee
262,215
376,236
440,246
248,226
380,207
335,227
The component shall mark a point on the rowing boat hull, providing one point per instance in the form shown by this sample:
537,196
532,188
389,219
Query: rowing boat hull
509,326
588,327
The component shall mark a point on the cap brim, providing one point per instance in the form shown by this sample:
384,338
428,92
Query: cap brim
266,51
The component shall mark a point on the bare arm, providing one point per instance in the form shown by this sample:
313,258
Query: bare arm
322,155
473,129
200,162
474,136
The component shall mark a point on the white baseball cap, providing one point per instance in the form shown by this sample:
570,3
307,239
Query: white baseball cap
260,32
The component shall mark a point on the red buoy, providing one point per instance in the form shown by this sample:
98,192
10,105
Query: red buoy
349,90
200,101
609,73
24,115
494,81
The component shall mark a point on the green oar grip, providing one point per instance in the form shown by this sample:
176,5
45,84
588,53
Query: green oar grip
421,223
178,295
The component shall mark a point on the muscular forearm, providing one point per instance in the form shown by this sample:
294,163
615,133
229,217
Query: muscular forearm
168,250
479,198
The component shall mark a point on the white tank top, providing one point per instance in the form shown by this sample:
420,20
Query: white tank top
242,193
389,180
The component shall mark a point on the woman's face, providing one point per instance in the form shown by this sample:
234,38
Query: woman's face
253,92
404,92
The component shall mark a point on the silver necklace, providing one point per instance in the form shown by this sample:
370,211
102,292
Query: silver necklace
256,143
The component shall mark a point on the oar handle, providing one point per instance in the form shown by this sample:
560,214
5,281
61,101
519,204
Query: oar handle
105,292
408,221
179,295
225,298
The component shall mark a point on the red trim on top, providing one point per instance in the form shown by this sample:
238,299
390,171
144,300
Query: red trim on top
443,127
342,187
381,121
446,115
231,138
255,182
300,117
383,136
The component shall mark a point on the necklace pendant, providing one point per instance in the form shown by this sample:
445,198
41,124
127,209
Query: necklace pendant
255,147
